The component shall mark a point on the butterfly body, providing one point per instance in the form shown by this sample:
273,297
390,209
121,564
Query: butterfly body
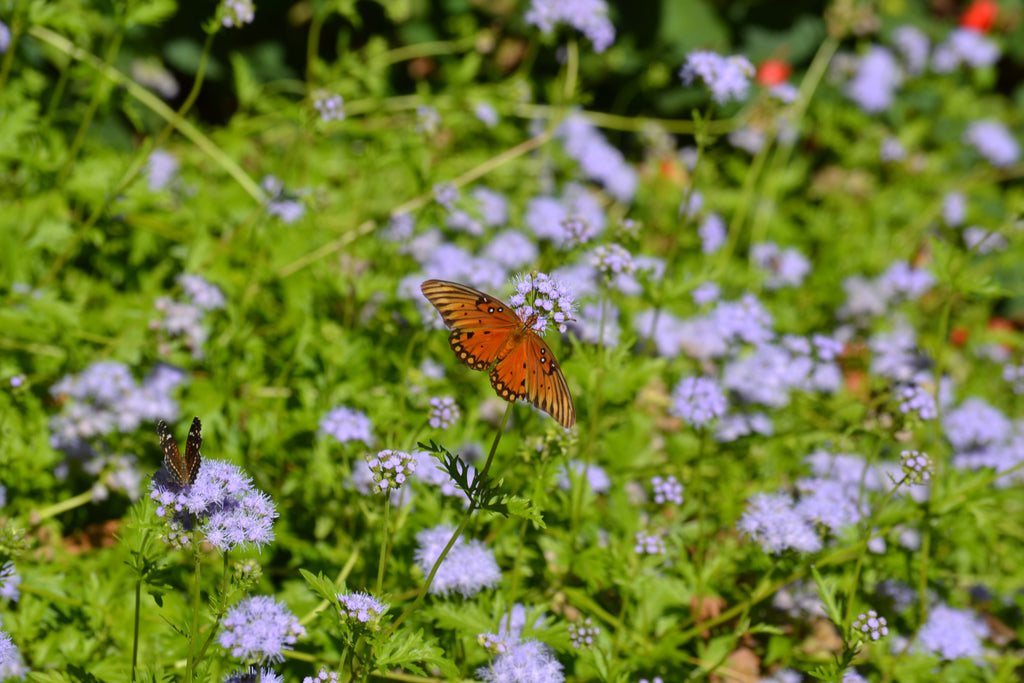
488,334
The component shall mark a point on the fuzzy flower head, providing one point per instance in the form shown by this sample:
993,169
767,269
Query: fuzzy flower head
363,608
390,469
871,626
583,634
728,78
329,106
347,424
237,13
443,412
917,466
698,401
667,490
260,629
541,300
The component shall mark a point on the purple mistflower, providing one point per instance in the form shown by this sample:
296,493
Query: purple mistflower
598,159
161,168
975,423
202,292
237,13
732,426
589,17
667,490
892,150
878,76
913,45
917,466
983,240
330,106
544,299
362,607
871,625
11,663
583,634
347,424
597,479
706,293
964,46
428,120
771,521
613,259
323,676
254,675
698,400
391,469
917,399
952,633
511,249
649,544
260,629
9,582
527,662
785,267
728,78
443,412
994,141
954,209
467,569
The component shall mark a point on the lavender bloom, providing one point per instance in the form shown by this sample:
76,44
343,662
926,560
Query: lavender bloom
975,423
917,466
649,544
468,568
259,628
706,293
203,293
917,399
983,240
363,608
161,167
598,160
772,522
878,76
952,633
443,412
892,150
543,299
486,114
9,582
11,663
529,660
390,469
913,46
871,625
428,120
994,141
254,675
346,425
597,479
583,634
728,78
785,267
237,13
698,401
589,17
329,106
667,490
964,46
954,209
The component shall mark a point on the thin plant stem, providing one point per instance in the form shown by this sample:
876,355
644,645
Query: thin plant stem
474,502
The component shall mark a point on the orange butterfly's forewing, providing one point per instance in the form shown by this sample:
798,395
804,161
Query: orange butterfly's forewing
488,334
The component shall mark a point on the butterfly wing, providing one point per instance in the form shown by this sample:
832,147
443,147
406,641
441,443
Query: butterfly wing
193,458
530,372
480,324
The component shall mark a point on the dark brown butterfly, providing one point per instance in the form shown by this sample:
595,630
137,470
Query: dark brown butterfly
183,469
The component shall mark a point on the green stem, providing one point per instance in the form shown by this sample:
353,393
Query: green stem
474,502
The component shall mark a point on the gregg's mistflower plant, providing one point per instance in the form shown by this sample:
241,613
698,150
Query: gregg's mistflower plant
529,660
330,106
237,12
260,629
467,569
728,78
667,490
917,466
363,608
589,17
994,141
443,412
347,425
698,401
540,297
871,626
583,634
390,469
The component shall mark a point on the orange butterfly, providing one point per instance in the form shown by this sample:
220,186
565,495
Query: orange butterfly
488,334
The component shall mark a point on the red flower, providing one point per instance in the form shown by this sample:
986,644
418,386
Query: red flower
773,71
980,15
